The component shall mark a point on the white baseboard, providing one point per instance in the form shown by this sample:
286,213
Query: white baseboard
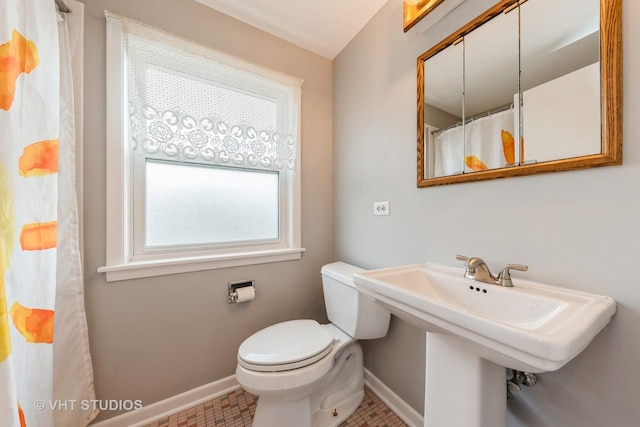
172,405
405,412
191,398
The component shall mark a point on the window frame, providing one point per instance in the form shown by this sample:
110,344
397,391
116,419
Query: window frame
122,263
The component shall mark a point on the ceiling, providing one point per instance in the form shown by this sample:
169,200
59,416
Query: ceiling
324,27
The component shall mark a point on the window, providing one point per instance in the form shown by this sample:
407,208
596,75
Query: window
203,167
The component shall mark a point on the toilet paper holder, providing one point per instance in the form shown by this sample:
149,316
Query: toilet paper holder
232,288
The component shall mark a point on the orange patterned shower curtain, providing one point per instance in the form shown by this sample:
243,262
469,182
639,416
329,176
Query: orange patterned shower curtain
30,141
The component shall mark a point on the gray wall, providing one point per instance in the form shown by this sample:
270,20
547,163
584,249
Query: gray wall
578,230
157,337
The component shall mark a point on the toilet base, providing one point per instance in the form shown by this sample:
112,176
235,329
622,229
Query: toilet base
326,404
332,417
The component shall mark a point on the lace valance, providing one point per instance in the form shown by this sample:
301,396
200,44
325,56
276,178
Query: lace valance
188,102
176,135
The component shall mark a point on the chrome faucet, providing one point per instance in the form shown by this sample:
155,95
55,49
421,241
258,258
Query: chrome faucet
477,269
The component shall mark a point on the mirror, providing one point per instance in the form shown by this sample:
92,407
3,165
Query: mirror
527,87
490,83
443,112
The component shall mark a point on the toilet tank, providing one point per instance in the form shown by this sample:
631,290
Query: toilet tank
355,314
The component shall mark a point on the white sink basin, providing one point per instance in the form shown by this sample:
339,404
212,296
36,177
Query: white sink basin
530,327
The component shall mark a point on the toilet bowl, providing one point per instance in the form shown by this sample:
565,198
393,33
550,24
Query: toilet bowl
306,374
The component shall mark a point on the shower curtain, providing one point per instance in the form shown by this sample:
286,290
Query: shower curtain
449,152
44,370
489,141
488,144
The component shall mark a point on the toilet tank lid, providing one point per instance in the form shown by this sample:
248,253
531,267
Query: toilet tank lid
341,271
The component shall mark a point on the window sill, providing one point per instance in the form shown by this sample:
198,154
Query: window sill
140,269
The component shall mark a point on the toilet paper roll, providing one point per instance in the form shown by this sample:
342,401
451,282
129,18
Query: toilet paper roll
245,294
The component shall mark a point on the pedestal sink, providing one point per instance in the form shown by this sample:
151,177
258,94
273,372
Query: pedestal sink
476,330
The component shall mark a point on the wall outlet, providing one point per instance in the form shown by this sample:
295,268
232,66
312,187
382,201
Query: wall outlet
381,208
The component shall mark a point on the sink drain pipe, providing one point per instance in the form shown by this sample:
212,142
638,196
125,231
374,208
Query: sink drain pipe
518,377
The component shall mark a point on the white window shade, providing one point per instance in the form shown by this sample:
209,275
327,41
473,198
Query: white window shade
244,208
189,102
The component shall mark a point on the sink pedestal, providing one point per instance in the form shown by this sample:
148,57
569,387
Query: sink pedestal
461,388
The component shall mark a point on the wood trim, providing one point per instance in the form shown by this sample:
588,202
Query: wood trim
420,140
409,24
611,102
611,79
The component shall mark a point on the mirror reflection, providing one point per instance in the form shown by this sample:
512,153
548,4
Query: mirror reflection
560,66
491,93
443,112
518,91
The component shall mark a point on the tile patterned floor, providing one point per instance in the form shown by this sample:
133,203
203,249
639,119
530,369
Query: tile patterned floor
236,409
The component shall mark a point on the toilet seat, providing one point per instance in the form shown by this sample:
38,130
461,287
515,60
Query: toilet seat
285,346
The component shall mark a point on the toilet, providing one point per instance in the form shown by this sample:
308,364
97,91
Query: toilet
306,374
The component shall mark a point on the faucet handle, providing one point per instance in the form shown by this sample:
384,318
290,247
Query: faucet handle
505,276
470,269
462,258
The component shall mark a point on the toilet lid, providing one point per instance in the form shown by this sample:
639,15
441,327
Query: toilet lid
286,345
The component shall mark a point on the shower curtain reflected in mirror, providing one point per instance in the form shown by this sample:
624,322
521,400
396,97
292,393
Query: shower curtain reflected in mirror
489,143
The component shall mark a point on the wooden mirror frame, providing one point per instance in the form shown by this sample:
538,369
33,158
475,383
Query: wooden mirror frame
610,102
